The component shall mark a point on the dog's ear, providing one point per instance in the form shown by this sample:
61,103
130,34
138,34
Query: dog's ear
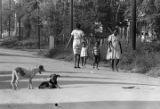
58,76
41,68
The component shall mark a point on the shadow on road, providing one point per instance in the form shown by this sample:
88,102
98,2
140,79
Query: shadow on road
5,77
17,55
89,105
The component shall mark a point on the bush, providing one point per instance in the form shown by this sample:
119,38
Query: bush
13,42
143,59
9,43
60,53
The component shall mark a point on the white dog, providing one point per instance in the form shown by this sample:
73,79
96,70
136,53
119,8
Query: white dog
24,73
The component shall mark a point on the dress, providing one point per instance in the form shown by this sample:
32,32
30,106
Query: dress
84,52
77,39
114,50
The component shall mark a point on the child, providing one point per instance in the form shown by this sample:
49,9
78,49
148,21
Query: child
96,54
84,53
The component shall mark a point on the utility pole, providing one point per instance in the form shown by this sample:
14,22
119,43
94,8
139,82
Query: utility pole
133,24
1,18
71,22
10,18
71,28
38,24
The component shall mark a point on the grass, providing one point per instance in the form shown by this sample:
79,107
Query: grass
143,60
13,42
146,57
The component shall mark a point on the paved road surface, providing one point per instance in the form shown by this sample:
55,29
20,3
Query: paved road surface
80,88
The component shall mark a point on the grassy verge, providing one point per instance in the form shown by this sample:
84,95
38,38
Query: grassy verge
23,44
145,59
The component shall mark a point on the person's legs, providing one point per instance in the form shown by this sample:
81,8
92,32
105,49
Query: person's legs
113,64
85,60
82,58
78,60
75,60
94,61
117,62
98,60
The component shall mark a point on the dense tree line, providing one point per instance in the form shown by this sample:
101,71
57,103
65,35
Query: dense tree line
55,15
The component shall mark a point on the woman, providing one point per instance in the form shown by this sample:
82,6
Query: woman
77,35
114,50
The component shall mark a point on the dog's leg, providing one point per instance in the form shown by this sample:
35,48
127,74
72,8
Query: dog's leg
30,84
13,85
17,80
13,80
57,86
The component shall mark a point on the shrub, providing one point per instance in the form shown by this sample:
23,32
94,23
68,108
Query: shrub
10,42
143,59
60,53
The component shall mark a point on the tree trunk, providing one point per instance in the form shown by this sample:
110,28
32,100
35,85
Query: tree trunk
51,42
133,24
1,18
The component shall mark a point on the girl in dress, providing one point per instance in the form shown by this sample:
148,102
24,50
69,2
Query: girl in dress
84,53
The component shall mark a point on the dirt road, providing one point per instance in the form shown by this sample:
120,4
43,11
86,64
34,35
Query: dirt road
80,88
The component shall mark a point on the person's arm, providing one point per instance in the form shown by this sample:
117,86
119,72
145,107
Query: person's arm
87,51
82,36
72,34
120,46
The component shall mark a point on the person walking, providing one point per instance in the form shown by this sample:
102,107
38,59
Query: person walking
77,35
114,51
84,53
96,54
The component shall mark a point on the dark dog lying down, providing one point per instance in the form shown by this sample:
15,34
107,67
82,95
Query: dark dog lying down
52,83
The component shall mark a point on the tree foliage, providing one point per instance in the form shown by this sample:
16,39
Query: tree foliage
55,15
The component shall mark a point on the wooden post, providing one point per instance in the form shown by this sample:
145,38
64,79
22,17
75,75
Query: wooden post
38,24
9,29
71,28
19,28
133,24
1,18
51,42
71,22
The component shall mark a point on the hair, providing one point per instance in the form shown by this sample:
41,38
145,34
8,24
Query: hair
41,68
115,32
97,42
146,33
78,25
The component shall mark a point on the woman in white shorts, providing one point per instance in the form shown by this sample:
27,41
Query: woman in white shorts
77,35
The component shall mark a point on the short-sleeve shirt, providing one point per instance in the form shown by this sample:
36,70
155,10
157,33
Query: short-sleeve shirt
96,50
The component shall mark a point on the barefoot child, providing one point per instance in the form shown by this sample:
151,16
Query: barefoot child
84,53
96,54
